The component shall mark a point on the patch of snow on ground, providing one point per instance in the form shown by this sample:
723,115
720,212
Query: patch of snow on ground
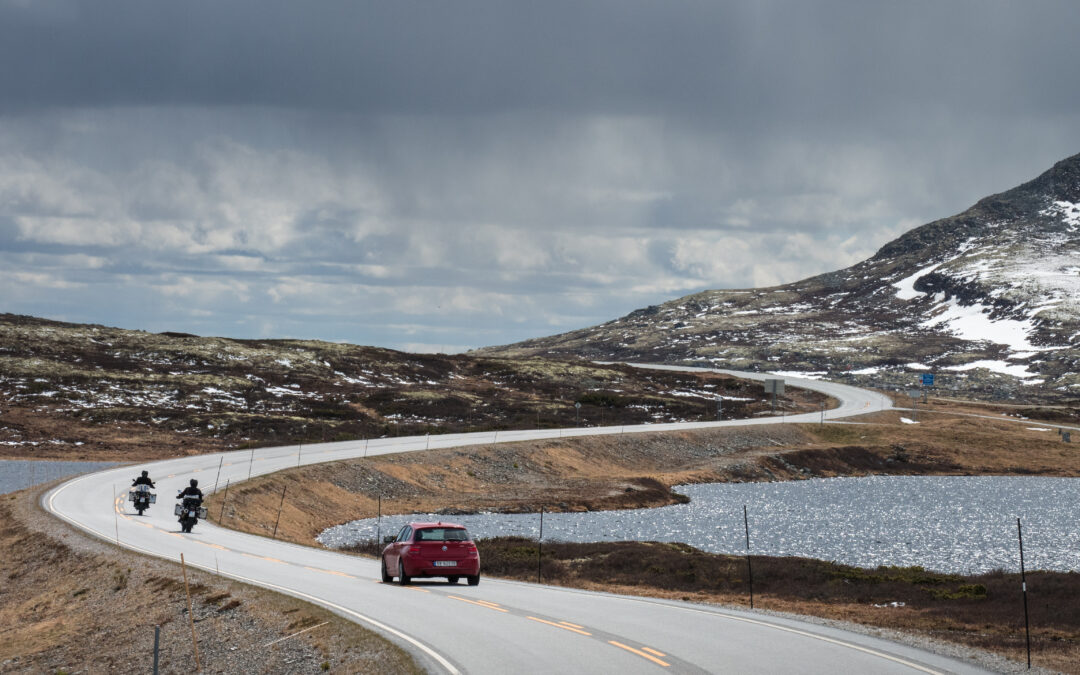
973,323
905,288
1003,367
794,373
907,421
1038,429
866,371
1069,212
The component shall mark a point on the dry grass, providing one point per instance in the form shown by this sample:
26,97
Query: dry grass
982,611
71,603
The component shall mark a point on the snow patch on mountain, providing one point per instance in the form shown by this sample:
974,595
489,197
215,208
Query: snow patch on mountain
973,323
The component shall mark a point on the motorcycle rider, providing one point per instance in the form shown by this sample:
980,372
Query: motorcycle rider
192,491
192,497
144,479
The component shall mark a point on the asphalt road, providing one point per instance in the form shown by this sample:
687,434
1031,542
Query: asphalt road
498,626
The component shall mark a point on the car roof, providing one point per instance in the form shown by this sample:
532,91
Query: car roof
438,524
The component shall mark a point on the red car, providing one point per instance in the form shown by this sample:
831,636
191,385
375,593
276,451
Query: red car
431,550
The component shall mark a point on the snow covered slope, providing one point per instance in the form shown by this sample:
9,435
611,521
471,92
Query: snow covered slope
988,299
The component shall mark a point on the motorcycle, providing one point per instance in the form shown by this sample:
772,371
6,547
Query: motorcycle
141,497
190,510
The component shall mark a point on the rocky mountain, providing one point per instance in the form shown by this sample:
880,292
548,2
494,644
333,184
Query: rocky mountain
988,300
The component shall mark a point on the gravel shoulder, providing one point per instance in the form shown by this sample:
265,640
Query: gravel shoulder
71,603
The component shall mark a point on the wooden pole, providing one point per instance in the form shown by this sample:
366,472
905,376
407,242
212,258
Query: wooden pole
540,548
116,515
224,499
218,479
749,568
190,614
280,505
1023,587
378,526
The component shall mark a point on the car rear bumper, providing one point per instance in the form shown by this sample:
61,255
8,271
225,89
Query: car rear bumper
427,568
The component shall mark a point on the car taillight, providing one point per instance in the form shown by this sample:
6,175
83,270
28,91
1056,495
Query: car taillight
470,547
414,549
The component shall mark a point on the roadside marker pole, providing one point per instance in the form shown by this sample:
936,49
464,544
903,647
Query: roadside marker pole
190,616
116,515
280,505
224,499
1023,586
157,637
251,462
218,479
749,568
378,526
540,547
299,452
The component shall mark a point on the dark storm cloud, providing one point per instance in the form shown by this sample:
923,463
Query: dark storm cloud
807,63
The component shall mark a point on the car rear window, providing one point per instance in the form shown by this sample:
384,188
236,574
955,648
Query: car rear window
442,534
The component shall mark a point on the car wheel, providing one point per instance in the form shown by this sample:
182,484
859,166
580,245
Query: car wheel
474,579
403,578
452,580
386,578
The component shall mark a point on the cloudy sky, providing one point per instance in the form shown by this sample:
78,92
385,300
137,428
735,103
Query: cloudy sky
441,175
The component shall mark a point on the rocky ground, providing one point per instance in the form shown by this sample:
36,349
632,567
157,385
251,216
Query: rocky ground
72,604
91,392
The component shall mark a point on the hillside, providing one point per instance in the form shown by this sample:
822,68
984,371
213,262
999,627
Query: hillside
74,390
989,300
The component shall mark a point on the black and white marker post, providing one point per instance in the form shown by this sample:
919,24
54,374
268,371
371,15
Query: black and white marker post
1023,586
749,568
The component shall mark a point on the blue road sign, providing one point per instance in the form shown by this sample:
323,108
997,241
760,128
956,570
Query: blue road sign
928,379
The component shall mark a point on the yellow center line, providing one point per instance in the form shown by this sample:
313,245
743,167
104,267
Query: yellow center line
493,605
340,574
572,625
145,525
173,534
262,557
171,475
217,546
559,625
228,463
479,604
414,588
196,470
653,651
639,653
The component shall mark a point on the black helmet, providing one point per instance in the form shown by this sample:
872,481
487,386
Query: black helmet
145,474
194,483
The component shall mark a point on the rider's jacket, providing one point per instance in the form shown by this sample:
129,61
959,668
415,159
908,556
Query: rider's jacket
191,492
142,480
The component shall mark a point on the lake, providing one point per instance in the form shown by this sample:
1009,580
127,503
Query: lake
962,524
16,474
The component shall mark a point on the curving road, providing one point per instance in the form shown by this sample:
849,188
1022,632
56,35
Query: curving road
498,626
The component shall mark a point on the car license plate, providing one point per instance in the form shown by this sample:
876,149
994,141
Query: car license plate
445,563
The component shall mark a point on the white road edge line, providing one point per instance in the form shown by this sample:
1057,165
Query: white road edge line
437,657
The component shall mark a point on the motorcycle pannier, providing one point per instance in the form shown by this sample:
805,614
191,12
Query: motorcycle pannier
177,509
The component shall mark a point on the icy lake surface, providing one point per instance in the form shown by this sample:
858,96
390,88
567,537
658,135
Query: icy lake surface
963,524
16,474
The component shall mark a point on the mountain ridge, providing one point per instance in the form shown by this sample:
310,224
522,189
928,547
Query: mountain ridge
989,298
